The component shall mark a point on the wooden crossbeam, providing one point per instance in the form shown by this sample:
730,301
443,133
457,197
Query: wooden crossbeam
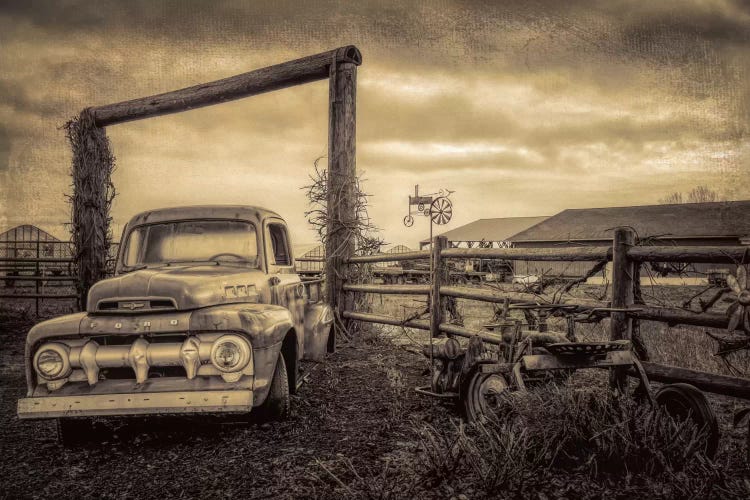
279,76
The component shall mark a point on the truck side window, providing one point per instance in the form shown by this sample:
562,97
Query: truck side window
281,256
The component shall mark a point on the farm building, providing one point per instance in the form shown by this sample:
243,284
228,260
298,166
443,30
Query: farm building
27,241
487,233
30,242
315,252
392,250
713,224
316,256
399,249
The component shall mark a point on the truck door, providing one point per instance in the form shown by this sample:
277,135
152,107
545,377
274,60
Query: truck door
286,288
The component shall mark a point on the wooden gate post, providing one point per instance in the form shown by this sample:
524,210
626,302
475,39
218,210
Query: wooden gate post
437,279
338,65
342,181
623,271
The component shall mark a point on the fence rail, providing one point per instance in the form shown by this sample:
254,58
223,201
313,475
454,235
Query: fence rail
622,309
36,263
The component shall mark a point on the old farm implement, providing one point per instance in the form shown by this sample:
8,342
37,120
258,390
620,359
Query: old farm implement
510,358
512,355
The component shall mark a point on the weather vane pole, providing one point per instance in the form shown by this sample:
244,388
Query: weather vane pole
438,207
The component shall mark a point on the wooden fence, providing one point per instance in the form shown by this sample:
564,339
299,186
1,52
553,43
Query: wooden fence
40,265
625,256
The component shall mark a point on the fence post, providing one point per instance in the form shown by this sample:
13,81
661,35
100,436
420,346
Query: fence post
623,271
341,183
37,274
437,279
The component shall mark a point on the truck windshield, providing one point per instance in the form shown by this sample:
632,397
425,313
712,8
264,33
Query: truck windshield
192,241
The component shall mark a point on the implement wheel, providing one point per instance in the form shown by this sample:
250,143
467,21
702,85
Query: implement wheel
477,392
685,401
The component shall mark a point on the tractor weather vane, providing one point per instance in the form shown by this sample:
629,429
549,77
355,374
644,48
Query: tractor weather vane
436,206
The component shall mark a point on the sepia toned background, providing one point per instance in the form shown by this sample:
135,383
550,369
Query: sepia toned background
523,108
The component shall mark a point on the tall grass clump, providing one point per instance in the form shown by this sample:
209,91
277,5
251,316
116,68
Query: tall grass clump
581,441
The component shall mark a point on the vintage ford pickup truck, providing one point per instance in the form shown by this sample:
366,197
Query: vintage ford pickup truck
205,314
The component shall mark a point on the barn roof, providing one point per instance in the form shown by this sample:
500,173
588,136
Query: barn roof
685,220
313,249
26,232
498,229
398,249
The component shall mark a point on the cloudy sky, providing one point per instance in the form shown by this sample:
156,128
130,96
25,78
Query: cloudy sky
523,108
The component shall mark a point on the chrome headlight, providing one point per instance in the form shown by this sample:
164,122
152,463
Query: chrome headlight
230,353
52,361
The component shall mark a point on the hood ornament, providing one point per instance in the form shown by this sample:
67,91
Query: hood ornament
132,305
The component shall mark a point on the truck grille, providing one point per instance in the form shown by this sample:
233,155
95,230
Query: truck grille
152,304
139,358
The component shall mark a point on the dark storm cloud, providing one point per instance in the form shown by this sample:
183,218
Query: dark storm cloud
4,149
566,100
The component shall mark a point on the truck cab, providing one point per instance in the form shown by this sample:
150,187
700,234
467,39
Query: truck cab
205,313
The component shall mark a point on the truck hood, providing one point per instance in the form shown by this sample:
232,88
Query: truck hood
173,287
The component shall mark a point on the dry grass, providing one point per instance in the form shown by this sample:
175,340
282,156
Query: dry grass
565,442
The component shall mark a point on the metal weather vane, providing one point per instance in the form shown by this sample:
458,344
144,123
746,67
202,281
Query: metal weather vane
436,206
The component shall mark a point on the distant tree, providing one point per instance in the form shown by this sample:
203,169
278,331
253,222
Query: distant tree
699,194
702,194
671,198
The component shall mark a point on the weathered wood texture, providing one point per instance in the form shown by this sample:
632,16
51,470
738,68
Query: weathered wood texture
388,289
673,316
623,269
499,296
714,255
389,257
545,254
438,275
419,324
342,181
710,382
539,338
482,295
276,77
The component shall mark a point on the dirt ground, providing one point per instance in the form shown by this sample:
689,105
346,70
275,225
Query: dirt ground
355,421
353,416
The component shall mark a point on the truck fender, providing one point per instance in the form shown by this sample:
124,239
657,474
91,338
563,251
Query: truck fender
318,321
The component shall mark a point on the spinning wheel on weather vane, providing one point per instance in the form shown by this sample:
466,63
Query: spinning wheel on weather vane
436,206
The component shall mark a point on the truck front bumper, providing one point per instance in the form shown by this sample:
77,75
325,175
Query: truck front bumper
142,403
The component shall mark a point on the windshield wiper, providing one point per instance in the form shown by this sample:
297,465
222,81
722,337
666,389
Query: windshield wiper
135,268
170,262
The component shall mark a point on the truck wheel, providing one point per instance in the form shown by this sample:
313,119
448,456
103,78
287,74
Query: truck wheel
331,343
276,405
74,431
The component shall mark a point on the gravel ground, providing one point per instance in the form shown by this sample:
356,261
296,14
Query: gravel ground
355,414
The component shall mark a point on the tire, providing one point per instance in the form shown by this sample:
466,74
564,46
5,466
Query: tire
277,403
74,431
473,391
682,401
331,342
